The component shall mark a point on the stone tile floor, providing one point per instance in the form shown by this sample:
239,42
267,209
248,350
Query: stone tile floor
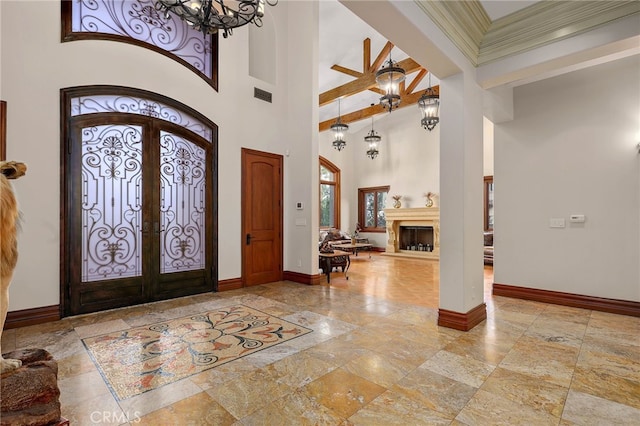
376,357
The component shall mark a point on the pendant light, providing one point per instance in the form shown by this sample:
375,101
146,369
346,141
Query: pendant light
389,79
339,128
429,104
372,139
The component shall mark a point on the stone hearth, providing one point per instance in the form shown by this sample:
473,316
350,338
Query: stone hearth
413,217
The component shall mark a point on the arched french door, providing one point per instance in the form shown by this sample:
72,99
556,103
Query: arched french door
139,184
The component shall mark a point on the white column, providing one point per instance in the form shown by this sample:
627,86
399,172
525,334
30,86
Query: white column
301,158
461,200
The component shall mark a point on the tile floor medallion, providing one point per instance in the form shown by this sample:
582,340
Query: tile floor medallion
140,359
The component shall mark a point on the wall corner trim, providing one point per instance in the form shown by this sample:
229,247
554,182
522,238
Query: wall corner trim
298,277
462,321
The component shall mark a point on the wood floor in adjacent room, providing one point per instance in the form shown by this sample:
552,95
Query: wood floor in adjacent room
375,356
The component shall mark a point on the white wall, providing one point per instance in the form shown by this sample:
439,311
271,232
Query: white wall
571,149
487,147
36,65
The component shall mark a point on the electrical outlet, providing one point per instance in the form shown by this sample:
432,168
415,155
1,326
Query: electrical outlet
299,263
556,222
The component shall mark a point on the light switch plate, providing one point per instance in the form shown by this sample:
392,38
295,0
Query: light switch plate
556,222
576,218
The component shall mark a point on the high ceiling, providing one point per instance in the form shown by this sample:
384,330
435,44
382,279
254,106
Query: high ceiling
500,8
341,43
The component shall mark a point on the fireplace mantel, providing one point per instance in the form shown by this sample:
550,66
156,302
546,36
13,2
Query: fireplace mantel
421,216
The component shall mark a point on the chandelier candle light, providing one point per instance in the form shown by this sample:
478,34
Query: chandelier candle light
372,139
389,79
338,128
209,16
429,104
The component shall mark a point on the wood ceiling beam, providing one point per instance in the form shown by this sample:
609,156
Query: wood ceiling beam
366,54
416,80
381,57
406,100
348,71
366,82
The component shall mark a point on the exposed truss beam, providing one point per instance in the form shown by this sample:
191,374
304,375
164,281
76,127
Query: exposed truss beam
386,50
407,99
417,79
366,82
348,71
366,54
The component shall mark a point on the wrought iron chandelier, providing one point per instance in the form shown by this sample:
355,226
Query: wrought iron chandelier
339,128
389,79
210,16
429,104
372,139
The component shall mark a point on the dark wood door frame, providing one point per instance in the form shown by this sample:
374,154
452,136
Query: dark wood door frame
250,235
170,283
3,130
152,284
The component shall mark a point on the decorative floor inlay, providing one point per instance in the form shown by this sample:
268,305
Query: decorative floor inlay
140,359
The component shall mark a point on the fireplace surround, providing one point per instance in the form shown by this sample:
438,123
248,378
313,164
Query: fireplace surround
413,232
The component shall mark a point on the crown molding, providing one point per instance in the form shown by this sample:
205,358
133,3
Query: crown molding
464,22
547,22
468,26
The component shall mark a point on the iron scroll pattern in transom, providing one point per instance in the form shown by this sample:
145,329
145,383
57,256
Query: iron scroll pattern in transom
95,104
140,20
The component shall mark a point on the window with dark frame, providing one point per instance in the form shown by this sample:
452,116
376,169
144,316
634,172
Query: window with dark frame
371,204
488,203
329,195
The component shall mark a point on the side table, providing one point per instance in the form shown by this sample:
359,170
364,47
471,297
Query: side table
338,256
355,248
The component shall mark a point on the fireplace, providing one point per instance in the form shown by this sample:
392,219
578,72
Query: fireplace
413,232
416,238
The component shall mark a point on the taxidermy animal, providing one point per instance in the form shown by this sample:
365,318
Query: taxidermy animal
9,215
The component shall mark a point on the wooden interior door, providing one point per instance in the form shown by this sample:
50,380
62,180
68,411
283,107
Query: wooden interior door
261,217
139,203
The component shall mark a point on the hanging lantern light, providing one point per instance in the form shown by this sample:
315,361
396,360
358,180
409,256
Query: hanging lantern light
339,129
429,104
372,139
389,79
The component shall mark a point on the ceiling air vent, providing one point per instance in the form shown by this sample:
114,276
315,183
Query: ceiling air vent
262,94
